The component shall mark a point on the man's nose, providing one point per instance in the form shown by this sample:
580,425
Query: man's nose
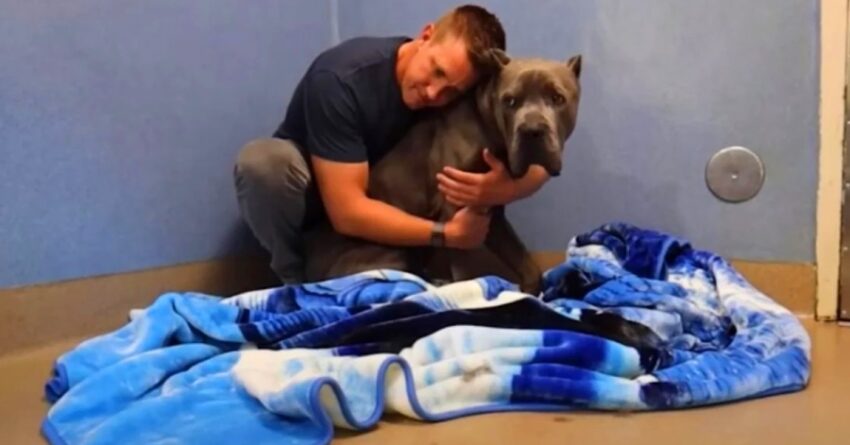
432,92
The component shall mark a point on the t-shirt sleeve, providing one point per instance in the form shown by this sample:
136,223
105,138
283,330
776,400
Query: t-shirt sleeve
333,131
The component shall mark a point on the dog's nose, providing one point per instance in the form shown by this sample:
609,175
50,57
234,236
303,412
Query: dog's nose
532,131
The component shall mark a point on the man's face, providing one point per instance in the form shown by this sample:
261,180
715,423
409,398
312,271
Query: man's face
439,72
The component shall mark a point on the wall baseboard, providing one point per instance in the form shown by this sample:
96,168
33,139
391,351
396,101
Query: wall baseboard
33,316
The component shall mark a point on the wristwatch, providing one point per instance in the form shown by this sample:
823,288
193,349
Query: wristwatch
438,234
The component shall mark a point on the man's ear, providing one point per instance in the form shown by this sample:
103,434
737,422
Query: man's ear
427,32
575,64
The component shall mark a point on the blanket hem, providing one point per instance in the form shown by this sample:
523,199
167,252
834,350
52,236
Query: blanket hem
370,421
51,433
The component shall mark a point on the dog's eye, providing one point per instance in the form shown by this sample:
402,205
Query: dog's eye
557,99
510,101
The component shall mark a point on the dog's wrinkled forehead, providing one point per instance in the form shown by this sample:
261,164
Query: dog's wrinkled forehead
535,76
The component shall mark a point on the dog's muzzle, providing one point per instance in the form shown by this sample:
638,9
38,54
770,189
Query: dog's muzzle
535,141
533,131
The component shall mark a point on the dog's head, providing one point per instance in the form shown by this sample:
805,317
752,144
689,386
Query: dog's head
533,105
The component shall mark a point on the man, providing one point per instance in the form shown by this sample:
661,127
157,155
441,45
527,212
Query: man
354,103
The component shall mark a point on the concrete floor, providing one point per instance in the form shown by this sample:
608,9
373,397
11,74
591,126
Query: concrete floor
816,415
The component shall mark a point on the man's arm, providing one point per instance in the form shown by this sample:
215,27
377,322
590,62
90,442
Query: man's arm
339,159
343,190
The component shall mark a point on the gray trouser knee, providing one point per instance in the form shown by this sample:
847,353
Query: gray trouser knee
276,196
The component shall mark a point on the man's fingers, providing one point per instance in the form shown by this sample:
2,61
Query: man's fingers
492,161
462,176
454,185
455,202
457,195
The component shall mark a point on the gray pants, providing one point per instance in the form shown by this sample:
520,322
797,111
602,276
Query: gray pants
278,199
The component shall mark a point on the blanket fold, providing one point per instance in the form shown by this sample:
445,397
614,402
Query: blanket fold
633,319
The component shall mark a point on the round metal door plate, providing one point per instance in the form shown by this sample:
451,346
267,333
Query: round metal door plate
734,174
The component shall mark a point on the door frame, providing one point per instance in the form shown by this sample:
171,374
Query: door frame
833,106
844,261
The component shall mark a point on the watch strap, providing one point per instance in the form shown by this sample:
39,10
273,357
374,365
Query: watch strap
438,234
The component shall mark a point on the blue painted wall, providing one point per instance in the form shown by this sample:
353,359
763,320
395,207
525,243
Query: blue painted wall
666,84
119,120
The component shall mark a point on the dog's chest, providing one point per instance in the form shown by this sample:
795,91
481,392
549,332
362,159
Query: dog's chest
459,142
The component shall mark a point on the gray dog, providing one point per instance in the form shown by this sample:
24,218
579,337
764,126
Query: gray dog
524,112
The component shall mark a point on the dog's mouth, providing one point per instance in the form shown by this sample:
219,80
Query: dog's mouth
541,151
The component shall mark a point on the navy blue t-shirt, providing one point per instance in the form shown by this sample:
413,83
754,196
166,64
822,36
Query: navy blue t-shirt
348,106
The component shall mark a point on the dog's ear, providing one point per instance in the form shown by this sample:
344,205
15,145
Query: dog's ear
493,60
499,57
575,64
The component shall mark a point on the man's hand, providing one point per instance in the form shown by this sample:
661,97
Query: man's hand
467,229
493,188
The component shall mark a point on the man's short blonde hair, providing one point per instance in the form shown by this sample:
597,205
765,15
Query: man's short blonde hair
479,29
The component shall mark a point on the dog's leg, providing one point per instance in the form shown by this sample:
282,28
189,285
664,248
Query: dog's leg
505,244
467,264
503,254
332,255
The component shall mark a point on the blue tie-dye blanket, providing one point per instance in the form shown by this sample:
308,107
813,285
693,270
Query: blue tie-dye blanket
632,320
